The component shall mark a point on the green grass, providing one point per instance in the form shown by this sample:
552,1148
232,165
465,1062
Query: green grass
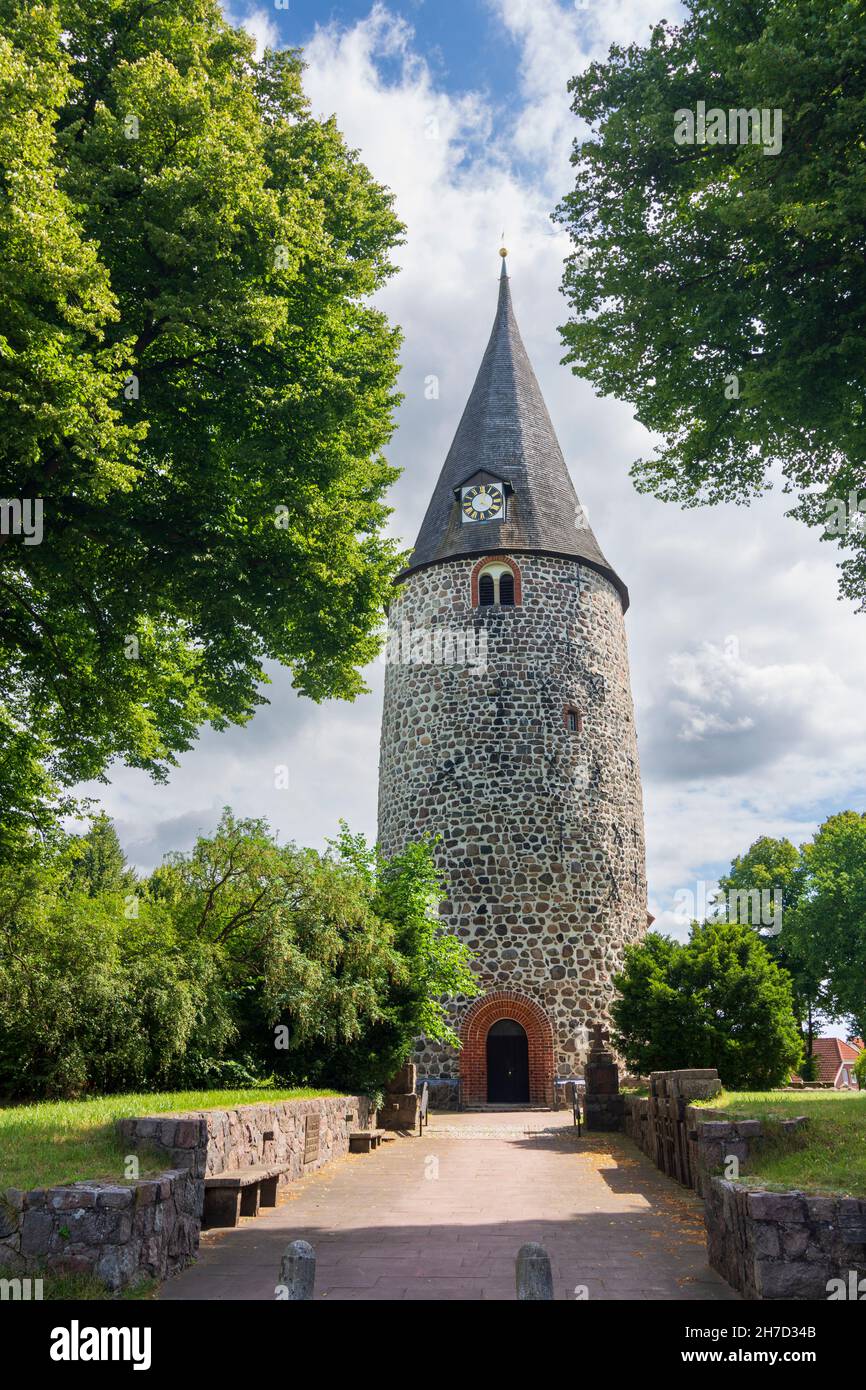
59,1286
827,1156
53,1142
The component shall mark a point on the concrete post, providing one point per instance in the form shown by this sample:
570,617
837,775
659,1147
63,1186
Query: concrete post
534,1276
297,1272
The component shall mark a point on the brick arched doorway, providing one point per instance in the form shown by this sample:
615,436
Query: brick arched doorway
477,1022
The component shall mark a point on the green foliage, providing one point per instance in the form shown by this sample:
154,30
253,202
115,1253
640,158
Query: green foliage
98,862
695,264
241,960
828,927
91,999
827,1155
717,1001
860,1070
191,379
777,866
52,1143
345,951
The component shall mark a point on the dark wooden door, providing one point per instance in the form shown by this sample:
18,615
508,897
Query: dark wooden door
507,1064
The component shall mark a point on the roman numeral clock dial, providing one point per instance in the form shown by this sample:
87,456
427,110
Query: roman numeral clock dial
482,502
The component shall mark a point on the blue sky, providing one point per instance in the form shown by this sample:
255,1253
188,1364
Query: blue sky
748,672
464,41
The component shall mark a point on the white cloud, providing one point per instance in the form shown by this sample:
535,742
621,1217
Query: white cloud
261,24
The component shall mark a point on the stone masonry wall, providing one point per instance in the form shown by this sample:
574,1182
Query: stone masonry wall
783,1245
150,1228
219,1141
542,846
121,1234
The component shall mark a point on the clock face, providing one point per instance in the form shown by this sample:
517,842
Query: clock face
482,502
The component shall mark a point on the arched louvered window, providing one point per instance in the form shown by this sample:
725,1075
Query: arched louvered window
496,584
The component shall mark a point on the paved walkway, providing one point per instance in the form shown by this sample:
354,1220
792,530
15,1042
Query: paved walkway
443,1218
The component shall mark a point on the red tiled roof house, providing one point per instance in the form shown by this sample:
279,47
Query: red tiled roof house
835,1060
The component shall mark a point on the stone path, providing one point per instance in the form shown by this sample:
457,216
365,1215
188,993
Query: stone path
443,1218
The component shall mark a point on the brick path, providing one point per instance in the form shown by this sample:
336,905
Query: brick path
443,1217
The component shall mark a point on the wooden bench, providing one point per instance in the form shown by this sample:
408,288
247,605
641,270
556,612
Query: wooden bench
240,1192
363,1140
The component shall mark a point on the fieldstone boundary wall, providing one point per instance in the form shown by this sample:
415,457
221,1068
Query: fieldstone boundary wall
665,1126
149,1228
121,1234
784,1245
220,1141
768,1245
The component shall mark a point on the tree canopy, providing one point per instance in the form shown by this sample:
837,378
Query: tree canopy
719,286
822,943
717,1001
193,385
238,962
828,927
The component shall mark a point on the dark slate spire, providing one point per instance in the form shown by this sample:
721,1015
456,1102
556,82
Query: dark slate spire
506,432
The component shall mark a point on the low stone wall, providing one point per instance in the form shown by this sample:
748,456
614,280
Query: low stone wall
783,1245
772,1245
219,1141
708,1137
150,1228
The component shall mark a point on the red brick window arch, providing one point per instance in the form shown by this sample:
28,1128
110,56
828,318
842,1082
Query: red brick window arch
496,583
479,1019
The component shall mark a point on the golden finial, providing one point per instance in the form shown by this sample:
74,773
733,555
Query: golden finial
503,251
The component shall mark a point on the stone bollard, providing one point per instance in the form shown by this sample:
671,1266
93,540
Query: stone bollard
297,1272
534,1277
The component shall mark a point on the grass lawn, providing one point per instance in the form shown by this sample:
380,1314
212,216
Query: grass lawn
827,1156
54,1142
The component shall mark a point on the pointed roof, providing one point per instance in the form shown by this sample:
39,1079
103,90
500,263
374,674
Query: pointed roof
505,431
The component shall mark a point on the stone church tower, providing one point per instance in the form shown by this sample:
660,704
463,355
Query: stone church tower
508,729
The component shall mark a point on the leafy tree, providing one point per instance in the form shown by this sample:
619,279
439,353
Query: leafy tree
191,380
717,1001
776,867
241,960
434,966
860,1070
91,1000
828,927
341,957
719,289
99,864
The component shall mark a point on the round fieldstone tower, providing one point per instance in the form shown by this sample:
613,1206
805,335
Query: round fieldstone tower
508,730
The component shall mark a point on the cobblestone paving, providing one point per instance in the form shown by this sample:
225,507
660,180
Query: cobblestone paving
442,1217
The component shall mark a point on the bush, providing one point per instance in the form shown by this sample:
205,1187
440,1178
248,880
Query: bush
90,1000
241,961
717,1001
